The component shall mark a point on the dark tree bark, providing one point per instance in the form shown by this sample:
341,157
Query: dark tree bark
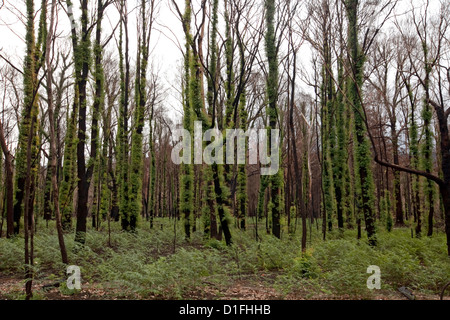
9,184
81,52
272,110
53,141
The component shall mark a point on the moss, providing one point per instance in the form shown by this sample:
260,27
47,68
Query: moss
276,181
122,167
427,162
29,123
229,57
68,172
365,185
187,172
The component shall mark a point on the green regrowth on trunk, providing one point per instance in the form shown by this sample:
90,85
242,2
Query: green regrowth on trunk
29,117
365,184
276,181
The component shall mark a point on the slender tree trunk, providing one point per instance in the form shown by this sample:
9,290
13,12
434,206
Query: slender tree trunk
221,210
29,219
53,141
362,149
82,51
272,95
9,184
399,221
123,131
298,174
187,170
445,166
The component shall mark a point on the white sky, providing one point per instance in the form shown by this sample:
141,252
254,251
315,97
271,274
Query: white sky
166,55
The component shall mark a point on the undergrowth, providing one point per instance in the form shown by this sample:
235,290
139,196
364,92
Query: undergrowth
153,264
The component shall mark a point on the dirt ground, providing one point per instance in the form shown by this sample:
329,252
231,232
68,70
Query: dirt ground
239,289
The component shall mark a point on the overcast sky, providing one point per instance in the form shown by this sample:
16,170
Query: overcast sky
166,55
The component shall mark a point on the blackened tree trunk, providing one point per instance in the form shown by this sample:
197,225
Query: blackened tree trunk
81,52
9,184
187,170
298,174
53,141
30,114
98,106
399,220
29,219
122,168
362,149
276,181
427,147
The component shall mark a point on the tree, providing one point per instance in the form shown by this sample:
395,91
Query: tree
187,177
276,181
99,99
30,113
123,151
328,105
9,182
68,182
427,115
300,186
137,136
53,142
29,140
414,150
362,148
81,45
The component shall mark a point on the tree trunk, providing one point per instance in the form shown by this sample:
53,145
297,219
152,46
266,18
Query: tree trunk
272,96
362,149
53,141
220,206
399,221
445,166
82,52
9,184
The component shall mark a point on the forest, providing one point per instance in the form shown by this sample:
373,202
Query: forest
349,101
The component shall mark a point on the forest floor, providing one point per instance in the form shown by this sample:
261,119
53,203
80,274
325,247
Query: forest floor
158,264
248,289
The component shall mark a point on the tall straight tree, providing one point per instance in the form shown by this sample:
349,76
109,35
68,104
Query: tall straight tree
276,181
363,155
300,173
81,45
208,186
187,170
328,102
415,157
29,120
152,170
241,194
9,183
341,169
340,163
53,149
82,53
69,170
123,149
28,153
137,136
99,101
427,147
